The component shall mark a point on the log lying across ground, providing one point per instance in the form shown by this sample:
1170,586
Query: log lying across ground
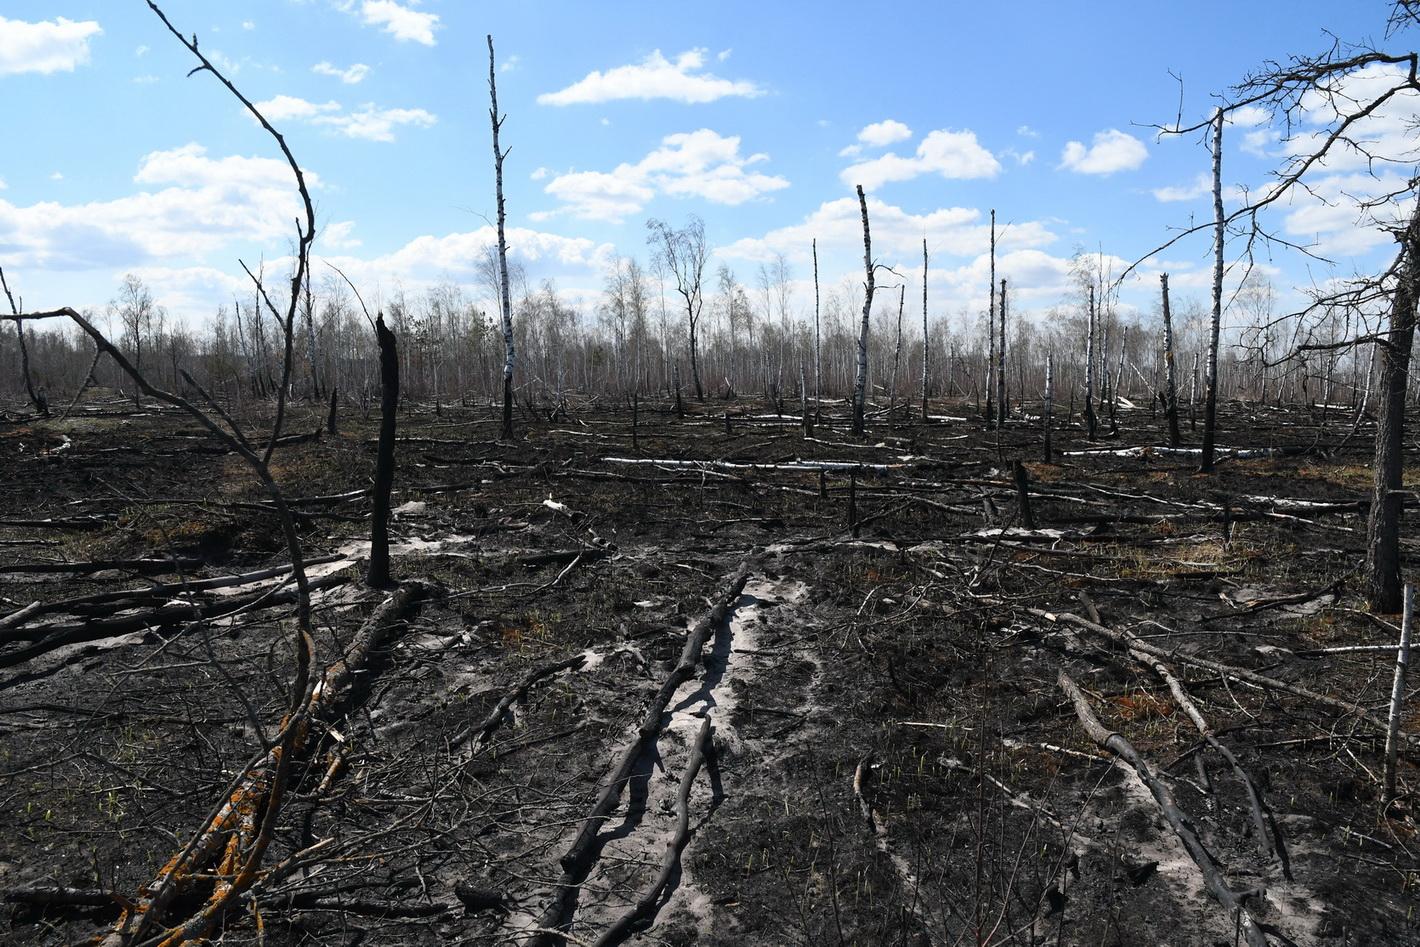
1213,877
232,840
48,638
579,858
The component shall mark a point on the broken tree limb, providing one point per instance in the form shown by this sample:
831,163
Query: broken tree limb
582,854
1212,872
1126,641
1397,693
232,840
1268,834
480,732
645,908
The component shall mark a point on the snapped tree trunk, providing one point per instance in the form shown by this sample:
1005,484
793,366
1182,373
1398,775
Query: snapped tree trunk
1090,368
991,328
818,361
1383,525
505,299
1046,418
379,572
860,383
1210,389
926,338
1001,362
1170,379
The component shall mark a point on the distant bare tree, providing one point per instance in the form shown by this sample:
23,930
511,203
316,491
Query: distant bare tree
504,299
683,254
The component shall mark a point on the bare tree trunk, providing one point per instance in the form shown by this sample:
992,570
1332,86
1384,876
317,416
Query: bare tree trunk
379,572
1048,411
818,361
1397,692
897,351
860,383
926,338
1383,525
1193,397
1090,368
1170,380
1210,390
505,300
991,328
1001,406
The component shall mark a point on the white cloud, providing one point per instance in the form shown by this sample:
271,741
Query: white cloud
655,77
1021,158
351,75
509,64
284,108
49,46
197,204
141,51
376,124
539,174
368,122
401,22
1110,151
1025,131
884,133
3,185
700,164
1201,185
145,80
337,235
838,225
723,54
56,175
248,25
952,154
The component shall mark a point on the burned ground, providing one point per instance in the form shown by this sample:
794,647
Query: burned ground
891,758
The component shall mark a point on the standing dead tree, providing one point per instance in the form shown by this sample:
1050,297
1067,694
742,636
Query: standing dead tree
42,406
860,382
378,576
684,253
1215,321
504,297
1170,392
926,337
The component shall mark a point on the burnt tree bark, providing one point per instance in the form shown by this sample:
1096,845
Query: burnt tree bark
378,575
1384,587
1170,377
504,300
860,383
1210,388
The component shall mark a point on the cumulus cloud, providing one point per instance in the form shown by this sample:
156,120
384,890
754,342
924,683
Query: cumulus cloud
701,163
351,75
368,122
1110,151
838,224
48,46
192,204
283,108
400,20
1201,185
884,133
951,154
337,235
655,77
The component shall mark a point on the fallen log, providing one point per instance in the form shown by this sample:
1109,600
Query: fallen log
582,854
644,910
231,841
110,601
47,638
1208,866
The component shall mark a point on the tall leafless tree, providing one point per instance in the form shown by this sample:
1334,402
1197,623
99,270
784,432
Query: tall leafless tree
504,298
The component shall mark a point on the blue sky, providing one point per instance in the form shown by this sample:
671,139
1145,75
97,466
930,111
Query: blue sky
757,117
